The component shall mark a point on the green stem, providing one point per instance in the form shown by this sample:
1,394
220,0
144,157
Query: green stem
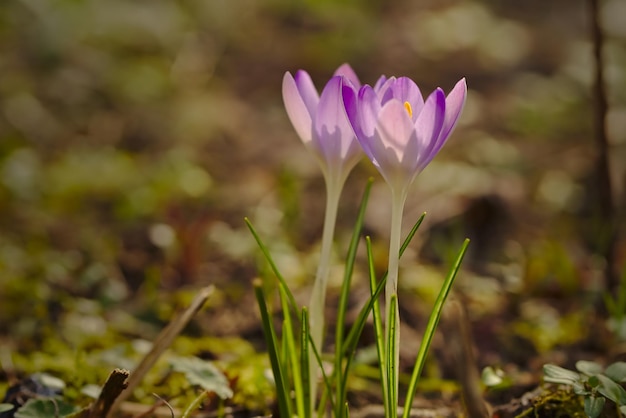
195,404
392,330
318,296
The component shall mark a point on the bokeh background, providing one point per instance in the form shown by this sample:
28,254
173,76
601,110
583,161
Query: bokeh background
136,135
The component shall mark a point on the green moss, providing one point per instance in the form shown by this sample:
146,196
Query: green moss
558,404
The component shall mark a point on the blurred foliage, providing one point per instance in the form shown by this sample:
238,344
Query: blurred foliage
135,135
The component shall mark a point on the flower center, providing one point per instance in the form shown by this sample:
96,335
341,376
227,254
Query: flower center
408,108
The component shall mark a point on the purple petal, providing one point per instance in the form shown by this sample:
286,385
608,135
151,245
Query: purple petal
299,114
395,128
429,124
349,94
307,90
389,144
454,105
384,91
330,123
347,71
381,80
405,90
368,109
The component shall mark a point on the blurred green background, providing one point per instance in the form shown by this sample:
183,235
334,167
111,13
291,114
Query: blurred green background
136,135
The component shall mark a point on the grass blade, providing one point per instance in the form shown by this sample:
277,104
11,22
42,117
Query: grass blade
304,365
291,353
357,327
345,293
327,384
433,321
412,233
282,390
270,260
359,324
391,362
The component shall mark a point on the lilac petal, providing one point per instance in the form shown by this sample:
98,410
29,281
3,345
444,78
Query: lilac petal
381,80
347,71
330,123
363,113
349,94
384,90
297,110
368,109
307,90
395,129
428,125
454,105
405,90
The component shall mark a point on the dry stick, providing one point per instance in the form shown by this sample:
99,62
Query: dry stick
162,342
605,207
112,389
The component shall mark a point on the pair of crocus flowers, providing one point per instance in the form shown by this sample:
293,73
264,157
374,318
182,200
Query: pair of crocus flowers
398,130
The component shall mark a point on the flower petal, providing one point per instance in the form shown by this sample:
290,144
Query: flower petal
454,105
405,90
379,83
307,90
369,107
332,129
297,110
396,128
384,90
388,146
365,120
428,126
347,71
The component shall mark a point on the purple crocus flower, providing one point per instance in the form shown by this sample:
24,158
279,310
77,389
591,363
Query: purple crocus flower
399,131
321,121
322,124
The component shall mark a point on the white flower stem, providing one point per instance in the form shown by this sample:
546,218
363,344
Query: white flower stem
398,198
318,296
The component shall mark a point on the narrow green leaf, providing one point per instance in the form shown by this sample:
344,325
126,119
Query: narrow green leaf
390,356
351,343
346,411
195,404
325,378
378,323
352,339
412,233
291,353
355,332
345,293
304,364
270,260
282,390
433,321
